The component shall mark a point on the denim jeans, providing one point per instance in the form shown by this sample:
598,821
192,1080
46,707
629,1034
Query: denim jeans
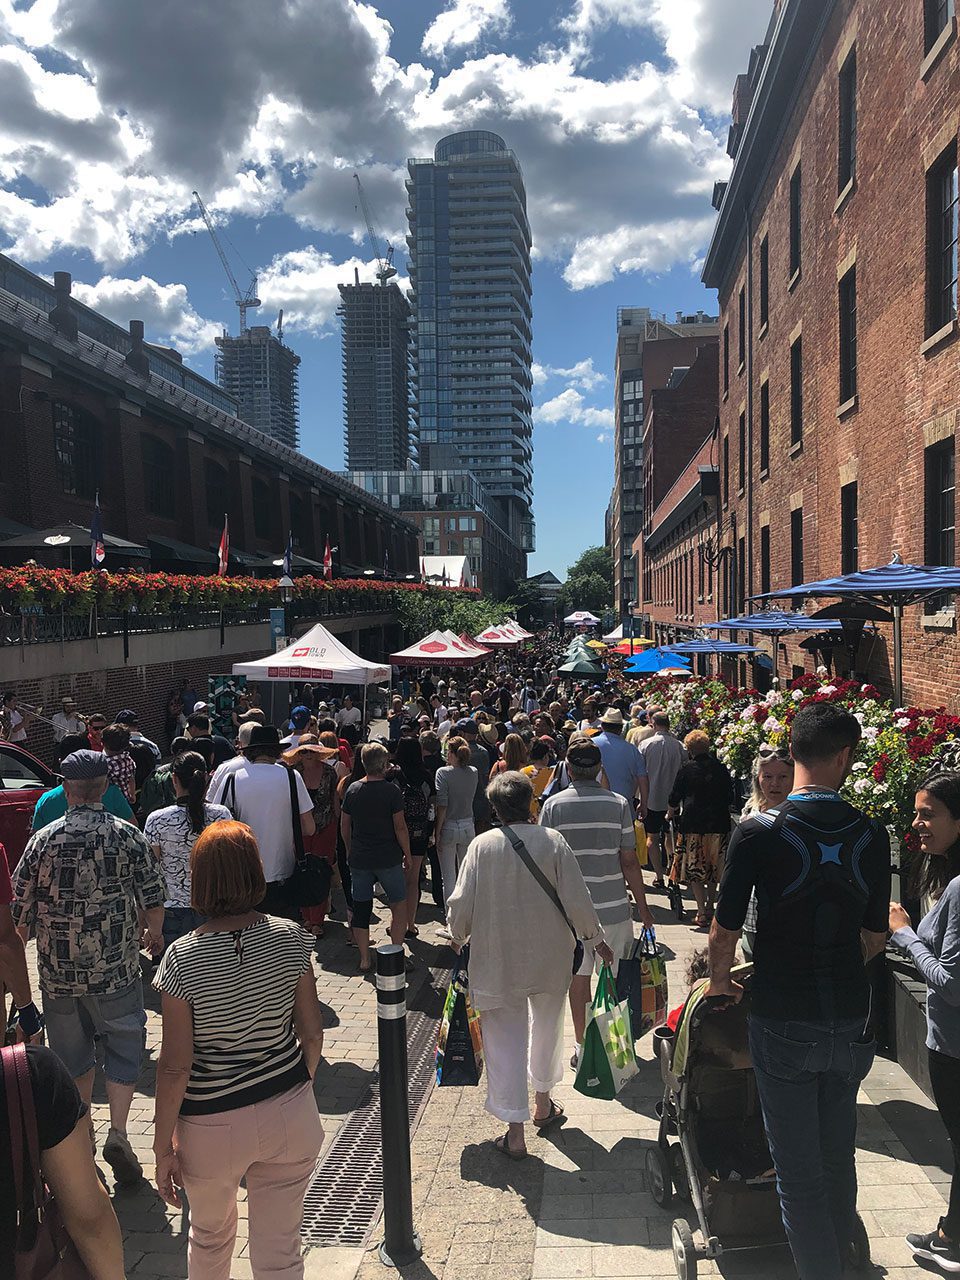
808,1075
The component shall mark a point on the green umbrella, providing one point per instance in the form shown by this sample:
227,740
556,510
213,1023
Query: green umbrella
580,667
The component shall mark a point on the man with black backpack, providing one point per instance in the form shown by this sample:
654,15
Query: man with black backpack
821,870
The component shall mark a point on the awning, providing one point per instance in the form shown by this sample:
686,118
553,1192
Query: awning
78,537
317,656
171,549
439,649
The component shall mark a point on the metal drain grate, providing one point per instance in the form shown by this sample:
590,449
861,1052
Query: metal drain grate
343,1199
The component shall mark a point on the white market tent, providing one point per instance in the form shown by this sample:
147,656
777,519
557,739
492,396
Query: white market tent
439,649
515,629
497,636
582,618
468,643
615,636
316,656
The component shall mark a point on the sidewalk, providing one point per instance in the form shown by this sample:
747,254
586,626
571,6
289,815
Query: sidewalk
581,1206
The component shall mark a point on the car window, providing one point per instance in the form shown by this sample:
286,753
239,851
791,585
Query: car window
17,775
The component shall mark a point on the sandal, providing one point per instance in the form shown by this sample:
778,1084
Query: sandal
502,1144
556,1115
412,932
700,921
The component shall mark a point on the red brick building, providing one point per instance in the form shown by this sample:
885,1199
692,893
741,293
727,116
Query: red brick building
81,414
835,258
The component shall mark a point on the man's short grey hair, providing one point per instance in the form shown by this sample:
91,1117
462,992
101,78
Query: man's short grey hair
85,790
511,793
584,772
661,720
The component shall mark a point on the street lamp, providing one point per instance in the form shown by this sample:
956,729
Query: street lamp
286,598
369,573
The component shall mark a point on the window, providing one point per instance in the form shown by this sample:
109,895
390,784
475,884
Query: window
937,15
796,547
158,477
76,443
939,510
849,529
300,524
942,241
764,281
742,330
796,392
742,576
742,452
262,509
847,166
726,357
764,427
726,470
764,557
795,221
217,490
848,335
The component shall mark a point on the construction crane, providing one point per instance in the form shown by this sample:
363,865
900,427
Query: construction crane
385,267
243,300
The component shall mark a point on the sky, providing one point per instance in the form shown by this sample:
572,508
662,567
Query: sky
112,113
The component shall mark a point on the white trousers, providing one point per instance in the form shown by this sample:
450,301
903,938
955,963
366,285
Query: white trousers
452,848
520,1041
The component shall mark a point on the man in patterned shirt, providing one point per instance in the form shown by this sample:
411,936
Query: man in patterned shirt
79,890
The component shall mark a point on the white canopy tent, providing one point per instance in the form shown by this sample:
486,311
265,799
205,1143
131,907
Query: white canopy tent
497,636
439,649
615,636
582,618
317,656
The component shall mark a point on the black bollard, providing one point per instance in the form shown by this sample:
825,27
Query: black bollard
401,1244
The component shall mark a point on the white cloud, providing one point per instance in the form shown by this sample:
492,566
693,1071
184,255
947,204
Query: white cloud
597,259
168,317
569,406
462,24
582,374
304,283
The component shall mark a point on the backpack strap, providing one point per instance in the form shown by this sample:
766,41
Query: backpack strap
537,874
299,851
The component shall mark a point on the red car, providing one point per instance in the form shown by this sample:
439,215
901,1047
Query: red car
23,780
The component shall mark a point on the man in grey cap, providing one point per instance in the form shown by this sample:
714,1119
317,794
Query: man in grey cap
79,890
598,826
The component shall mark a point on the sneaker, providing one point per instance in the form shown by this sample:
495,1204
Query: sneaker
120,1156
944,1254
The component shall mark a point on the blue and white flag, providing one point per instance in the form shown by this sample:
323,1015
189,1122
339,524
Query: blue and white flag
288,556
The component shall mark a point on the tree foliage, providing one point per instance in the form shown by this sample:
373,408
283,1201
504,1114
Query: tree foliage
589,583
420,614
596,560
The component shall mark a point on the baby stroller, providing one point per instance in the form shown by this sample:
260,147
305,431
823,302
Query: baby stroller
721,1163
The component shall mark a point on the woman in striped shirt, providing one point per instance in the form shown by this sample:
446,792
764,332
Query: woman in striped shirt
242,1036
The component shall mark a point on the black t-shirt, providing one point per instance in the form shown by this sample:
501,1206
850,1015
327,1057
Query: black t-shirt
703,789
821,870
223,749
373,841
59,1108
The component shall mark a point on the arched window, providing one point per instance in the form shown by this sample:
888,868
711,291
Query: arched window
262,509
217,487
76,442
158,477
300,525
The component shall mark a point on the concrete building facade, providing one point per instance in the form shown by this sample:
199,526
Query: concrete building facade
375,344
260,373
835,258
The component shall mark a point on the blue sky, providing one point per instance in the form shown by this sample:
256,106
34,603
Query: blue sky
113,113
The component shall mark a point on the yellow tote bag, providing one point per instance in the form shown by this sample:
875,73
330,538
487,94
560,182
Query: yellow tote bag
641,839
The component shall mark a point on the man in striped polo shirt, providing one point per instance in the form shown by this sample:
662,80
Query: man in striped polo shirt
598,826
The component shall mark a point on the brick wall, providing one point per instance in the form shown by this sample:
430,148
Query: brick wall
906,395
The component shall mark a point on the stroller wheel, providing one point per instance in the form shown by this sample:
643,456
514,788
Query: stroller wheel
678,1169
684,1250
658,1176
858,1256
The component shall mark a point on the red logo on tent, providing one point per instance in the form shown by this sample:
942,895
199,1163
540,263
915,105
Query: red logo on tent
433,646
459,647
300,653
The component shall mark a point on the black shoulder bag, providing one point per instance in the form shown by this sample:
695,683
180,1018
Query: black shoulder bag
309,885
547,888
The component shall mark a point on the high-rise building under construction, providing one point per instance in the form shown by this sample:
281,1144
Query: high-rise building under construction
261,373
376,397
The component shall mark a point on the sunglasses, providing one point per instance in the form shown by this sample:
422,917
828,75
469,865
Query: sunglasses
767,752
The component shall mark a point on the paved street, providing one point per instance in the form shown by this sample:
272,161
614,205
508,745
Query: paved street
580,1206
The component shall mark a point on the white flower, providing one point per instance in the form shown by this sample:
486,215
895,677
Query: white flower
797,695
902,722
864,688
881,786
870,733
747,713
772,724
861,785
858,715
828,688
859,767
773,698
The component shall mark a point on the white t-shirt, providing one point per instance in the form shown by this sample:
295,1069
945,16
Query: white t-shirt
17,732
347,716
63,724
443,728
263,803
221,773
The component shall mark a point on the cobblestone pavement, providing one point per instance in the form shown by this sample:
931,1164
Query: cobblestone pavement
580,1206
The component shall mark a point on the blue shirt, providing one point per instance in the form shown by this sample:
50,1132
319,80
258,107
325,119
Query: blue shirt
622,763
53,805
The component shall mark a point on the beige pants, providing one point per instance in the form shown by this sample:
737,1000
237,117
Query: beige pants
274,1146
522,1042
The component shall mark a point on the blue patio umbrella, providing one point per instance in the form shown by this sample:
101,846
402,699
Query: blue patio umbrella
653,660
775,623
895,585
713,646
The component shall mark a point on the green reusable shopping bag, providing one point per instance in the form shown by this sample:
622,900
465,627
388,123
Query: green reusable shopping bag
607,1059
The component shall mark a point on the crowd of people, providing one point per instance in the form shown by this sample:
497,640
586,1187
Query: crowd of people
542,814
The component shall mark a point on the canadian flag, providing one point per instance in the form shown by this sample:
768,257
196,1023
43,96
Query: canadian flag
327,562
223,552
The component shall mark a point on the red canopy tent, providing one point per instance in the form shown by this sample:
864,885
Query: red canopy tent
439,649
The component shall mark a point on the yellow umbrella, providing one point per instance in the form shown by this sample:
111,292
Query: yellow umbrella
595,644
